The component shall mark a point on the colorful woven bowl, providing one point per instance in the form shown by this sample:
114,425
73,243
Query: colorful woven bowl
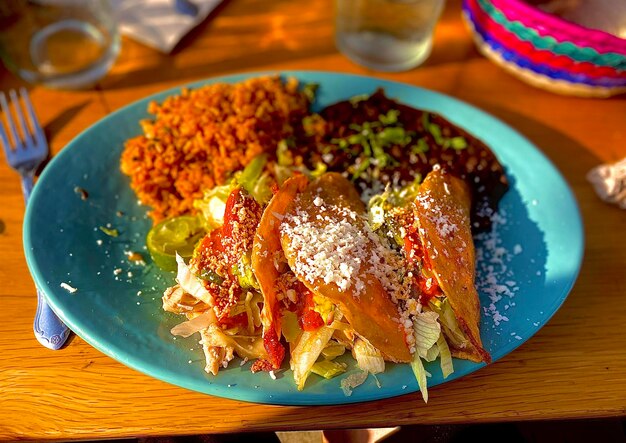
537,50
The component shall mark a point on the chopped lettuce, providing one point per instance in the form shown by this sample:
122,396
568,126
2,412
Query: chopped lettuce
352,381
310,91
429,343
250,347
328,369
257,183
368,358
212,205
250,305
194,325
450,326
380,207
445,357
420,374
432,353
427,331
192,284
253,180
333,350
306,351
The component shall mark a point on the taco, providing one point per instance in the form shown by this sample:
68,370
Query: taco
440,243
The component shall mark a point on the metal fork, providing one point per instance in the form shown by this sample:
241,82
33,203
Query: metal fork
25,148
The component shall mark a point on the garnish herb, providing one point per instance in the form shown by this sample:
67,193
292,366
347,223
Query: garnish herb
457,143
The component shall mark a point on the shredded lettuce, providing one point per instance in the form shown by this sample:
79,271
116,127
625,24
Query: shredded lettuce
449,323
445,357
381,207
212,205
257,183
432,353
192,284
333,350
307,350
328,369
253,180
420,374
250,347
194,325
368,358
352,381
430,343
250,305
427,331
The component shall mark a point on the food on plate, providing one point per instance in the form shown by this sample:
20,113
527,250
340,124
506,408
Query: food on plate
348,232
333,251
440,246
198,138
378,141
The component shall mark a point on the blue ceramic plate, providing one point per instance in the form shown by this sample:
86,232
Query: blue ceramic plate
535,254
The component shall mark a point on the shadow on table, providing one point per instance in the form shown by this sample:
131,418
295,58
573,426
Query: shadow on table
570,431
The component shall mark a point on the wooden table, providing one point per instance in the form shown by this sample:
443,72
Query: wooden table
575,367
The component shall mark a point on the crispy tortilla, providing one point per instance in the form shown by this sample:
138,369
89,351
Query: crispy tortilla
370,310
266,250
442,214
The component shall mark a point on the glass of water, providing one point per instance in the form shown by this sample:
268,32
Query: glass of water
67,44
386,35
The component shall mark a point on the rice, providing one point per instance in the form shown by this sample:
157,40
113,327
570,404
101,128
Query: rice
200,137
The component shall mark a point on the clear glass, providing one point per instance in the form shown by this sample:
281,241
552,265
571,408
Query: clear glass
65,44
386,35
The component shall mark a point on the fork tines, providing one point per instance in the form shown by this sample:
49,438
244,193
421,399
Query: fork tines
19,132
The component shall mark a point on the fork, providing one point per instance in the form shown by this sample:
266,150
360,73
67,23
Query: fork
24,153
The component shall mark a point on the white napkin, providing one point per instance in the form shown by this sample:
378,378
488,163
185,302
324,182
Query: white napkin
158,23
609,181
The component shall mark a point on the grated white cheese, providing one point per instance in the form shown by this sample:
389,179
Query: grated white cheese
495,278
609,182
339,247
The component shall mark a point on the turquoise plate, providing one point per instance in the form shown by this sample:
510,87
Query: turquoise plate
535,254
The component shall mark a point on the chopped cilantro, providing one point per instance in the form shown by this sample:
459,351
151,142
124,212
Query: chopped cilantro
390,118
420,147
458,143
435,131
358,98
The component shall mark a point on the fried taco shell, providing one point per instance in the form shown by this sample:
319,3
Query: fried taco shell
442,214
363,300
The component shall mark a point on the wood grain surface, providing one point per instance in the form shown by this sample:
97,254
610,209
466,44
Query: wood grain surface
575,367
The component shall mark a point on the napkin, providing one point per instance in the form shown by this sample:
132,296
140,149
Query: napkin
609,181
159,23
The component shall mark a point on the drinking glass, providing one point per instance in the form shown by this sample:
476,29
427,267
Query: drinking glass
58,43
386,35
